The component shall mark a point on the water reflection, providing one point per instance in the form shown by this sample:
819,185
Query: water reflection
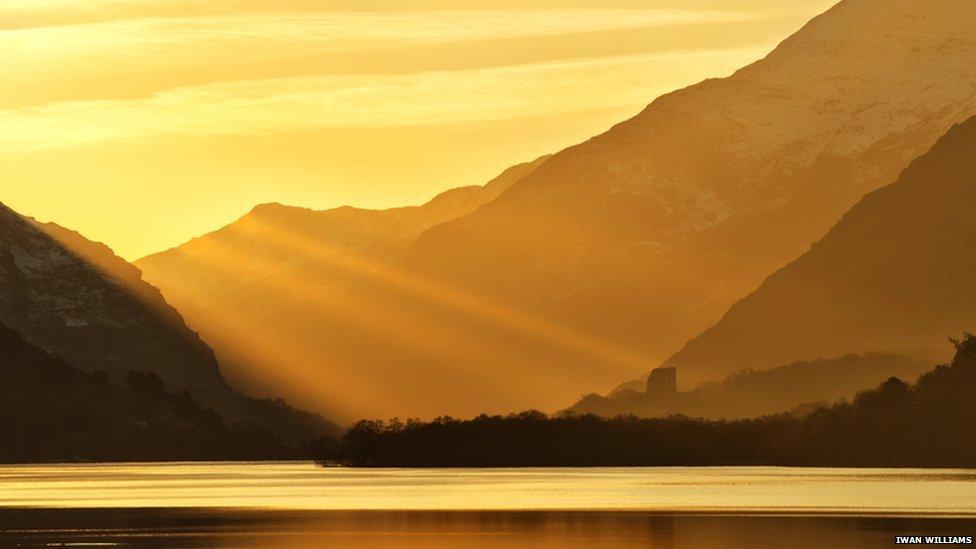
235,528
302,505
304,486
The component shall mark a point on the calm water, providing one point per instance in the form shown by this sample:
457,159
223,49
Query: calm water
302,505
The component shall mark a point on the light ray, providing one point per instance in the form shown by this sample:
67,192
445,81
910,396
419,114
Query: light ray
509,317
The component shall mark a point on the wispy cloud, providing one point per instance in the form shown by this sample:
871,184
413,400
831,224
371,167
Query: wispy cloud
333,29
362,101
134,57
141,101
37,13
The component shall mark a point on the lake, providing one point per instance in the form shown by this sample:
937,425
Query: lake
299,504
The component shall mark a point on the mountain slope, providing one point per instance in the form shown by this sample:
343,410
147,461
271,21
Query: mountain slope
897,271
266,242
91,308
54,412
265,291
77,299
646,234
611,254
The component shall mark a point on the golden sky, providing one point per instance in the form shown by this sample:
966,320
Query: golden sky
143,123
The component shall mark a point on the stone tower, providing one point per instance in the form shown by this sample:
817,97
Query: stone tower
662,383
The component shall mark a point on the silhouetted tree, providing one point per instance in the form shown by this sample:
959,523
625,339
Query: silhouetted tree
927,424
51,411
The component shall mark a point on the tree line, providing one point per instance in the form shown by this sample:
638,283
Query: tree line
928,424
51,411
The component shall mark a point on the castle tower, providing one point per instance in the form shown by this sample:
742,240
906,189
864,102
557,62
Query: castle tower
662,383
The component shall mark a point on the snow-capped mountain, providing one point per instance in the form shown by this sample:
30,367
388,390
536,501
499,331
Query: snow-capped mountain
646,234
606,258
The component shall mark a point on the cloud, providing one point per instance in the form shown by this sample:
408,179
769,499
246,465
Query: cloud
328,30
365,101
38,13
133,57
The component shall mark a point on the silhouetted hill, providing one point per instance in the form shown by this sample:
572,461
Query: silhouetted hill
50,411
928,424
77,299
795,387
896,271
91,308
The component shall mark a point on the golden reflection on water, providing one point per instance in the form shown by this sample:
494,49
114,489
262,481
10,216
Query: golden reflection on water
305,486
230,528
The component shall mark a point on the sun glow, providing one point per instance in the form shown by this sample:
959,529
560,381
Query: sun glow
287,362
129,120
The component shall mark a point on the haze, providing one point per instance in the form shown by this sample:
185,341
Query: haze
143,124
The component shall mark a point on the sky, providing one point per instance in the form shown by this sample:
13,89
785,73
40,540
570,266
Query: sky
144,123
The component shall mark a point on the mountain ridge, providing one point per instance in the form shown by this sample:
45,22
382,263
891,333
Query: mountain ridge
627,244
892,271
290,265
53,412
688,220
57,297
78,300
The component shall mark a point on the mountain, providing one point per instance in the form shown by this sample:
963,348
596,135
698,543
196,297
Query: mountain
265,291
54,412
794,387
263,243
896,271
646,234
611,254
77,299
90,307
